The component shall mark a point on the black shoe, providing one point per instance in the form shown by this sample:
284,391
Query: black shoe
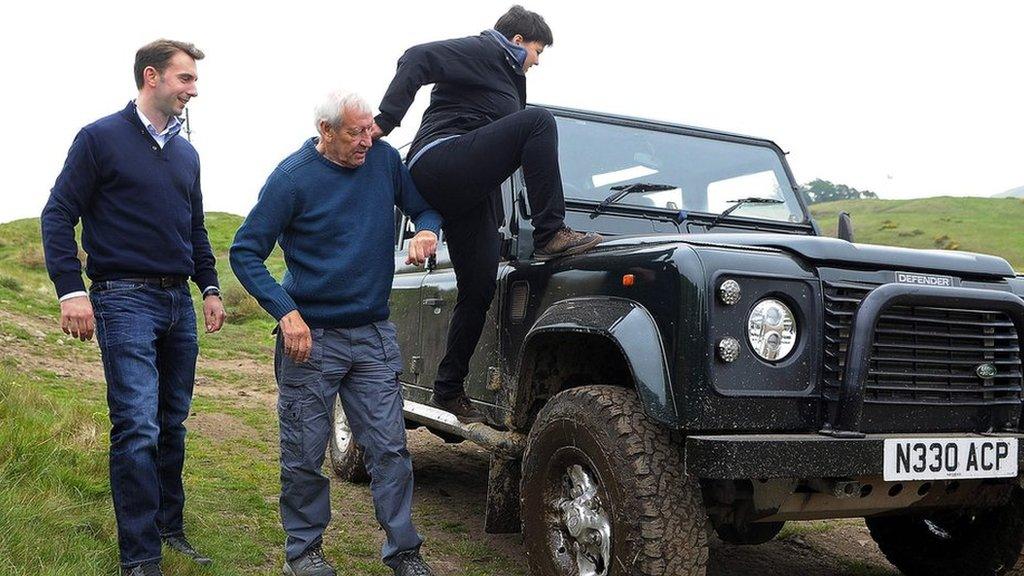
566,242
460,406
151,569
411,564
311,563
180,544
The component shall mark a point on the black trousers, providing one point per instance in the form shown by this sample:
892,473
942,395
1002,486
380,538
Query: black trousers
461,178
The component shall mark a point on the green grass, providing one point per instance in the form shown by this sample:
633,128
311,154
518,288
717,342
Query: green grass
860,568
55,511
52,463
56,515
806,528
53,466
983,225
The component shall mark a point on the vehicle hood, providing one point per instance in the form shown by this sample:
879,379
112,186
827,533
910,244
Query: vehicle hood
822,250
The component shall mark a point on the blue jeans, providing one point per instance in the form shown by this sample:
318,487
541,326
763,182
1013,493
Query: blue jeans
361,365
147,337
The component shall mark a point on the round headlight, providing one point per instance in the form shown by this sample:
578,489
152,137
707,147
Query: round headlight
771,329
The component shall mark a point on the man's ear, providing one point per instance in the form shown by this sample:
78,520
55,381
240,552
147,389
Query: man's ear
325,130
518,39
151,76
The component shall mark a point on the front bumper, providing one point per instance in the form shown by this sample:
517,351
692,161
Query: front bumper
741,456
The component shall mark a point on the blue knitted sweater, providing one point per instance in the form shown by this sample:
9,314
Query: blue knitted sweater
336,227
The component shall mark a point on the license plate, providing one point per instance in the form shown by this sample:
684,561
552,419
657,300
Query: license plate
947,458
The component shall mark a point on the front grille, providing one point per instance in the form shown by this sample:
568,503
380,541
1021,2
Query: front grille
923,355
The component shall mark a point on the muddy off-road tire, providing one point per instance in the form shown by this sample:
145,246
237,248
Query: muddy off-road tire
983,543
594,460
346,455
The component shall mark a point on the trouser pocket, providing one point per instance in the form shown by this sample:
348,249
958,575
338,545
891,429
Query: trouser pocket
389,353
290,409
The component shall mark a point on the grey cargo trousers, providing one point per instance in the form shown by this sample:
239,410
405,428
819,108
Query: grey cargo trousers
361,365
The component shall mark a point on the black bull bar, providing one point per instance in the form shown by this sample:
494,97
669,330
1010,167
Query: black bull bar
850,409
841,449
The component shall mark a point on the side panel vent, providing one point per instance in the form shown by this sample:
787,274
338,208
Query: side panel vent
519,299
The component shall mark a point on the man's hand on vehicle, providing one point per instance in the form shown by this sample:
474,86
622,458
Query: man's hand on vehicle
297,339
76,318
213,312
422,246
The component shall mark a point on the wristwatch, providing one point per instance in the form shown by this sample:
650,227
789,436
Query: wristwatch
211,291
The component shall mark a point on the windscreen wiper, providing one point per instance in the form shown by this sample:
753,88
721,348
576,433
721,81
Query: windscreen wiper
620,192
737,204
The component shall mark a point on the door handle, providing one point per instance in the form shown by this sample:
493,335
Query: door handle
435,302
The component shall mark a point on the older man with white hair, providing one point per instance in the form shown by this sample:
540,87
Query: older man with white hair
330,205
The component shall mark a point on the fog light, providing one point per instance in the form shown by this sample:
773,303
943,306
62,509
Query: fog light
729,349
729,292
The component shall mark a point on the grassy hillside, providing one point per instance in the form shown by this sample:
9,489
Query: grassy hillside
55,511
56,516
985,225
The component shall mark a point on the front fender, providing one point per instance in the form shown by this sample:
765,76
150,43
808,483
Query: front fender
632,329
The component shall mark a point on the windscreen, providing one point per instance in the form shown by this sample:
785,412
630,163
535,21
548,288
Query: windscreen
691,173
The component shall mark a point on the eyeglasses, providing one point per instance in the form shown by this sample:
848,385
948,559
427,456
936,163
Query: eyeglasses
368,130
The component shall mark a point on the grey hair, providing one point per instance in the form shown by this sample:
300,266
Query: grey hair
332,107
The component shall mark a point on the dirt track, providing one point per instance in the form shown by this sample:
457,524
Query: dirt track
451,482
454,478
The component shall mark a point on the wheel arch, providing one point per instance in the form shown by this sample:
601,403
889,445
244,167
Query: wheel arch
594,340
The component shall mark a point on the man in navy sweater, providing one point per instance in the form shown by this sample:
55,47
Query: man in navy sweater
330,205
134,183
473,136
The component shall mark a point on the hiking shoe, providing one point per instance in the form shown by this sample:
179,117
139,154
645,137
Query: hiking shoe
181,545
311,563
411,564
566,242
460,406
150,569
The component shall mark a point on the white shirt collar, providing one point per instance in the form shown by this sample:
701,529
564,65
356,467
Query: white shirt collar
172,128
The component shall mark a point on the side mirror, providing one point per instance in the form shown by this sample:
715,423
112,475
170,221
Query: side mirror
845,231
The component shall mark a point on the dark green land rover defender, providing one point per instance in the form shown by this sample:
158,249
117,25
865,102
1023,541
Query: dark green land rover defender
718,364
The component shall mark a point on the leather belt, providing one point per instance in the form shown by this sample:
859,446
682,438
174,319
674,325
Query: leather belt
161,281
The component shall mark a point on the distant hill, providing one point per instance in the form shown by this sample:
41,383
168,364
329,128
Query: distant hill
985,225
1017,192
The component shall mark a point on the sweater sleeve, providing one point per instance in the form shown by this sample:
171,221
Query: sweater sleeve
71,193
255,240
205,264
409,201
431,63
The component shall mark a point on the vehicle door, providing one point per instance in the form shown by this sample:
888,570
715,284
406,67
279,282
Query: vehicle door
405,296
438,295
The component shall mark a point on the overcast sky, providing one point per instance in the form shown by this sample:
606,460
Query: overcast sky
907,99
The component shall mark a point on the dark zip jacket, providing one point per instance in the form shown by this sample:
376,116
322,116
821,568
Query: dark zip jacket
476,81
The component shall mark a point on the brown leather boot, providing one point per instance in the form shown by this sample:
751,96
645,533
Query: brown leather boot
461,407
566,242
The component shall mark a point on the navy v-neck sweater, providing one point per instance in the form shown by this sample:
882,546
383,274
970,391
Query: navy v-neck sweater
141,208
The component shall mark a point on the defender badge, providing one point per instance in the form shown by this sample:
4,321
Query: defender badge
923,279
